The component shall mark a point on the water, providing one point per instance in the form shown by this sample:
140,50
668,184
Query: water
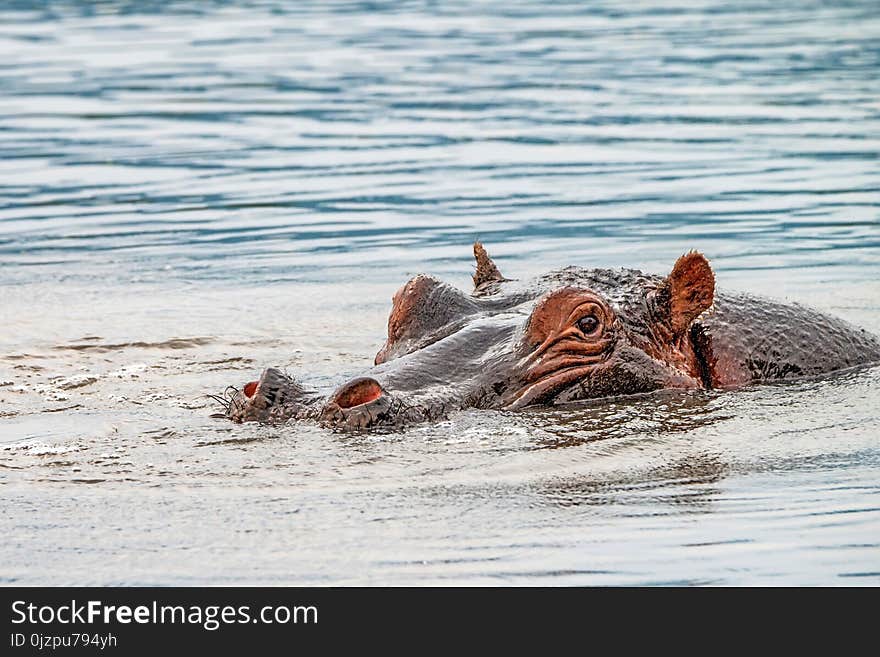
190,192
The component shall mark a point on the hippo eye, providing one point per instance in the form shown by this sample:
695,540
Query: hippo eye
588,324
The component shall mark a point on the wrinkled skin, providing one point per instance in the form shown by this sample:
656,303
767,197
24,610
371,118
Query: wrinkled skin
569,335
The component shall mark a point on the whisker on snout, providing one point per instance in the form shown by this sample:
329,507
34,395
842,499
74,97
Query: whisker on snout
226,399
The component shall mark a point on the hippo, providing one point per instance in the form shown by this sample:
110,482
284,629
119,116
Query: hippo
570,335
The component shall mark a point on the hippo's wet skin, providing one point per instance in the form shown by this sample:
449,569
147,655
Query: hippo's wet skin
569,335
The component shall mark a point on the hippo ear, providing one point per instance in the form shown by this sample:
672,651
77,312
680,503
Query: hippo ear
486,270
689,290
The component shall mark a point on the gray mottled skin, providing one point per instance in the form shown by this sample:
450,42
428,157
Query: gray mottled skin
463,350
773,341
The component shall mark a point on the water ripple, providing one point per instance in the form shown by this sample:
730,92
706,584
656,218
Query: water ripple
287,131
259,177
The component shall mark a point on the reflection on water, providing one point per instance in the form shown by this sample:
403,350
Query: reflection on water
190,192
657,414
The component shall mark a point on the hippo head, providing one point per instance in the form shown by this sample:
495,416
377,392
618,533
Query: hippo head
569,335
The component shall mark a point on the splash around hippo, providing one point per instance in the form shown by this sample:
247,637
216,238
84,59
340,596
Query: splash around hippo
569,335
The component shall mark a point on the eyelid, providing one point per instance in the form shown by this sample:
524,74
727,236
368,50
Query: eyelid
583,309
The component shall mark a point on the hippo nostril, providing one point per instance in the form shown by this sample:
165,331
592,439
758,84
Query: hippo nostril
357,392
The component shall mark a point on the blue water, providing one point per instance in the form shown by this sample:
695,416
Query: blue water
191,191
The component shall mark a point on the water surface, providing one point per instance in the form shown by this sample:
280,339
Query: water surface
190,192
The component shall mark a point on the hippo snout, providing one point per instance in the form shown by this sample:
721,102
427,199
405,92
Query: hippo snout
358,404
357,392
